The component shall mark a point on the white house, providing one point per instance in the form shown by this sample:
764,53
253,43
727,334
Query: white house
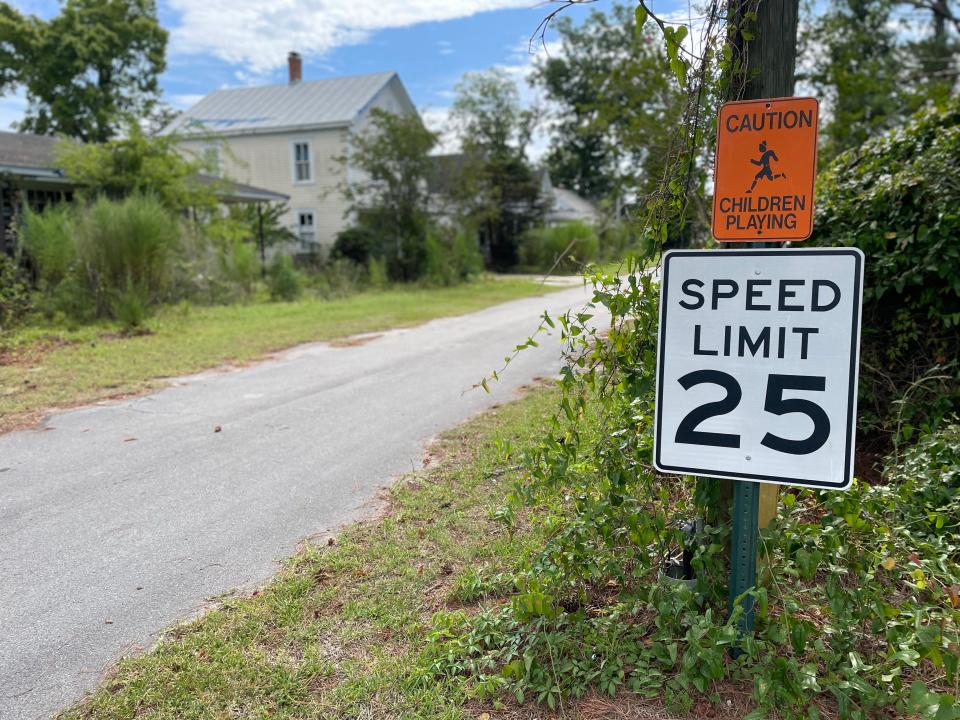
288,138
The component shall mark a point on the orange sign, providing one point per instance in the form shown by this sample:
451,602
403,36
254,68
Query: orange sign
765,168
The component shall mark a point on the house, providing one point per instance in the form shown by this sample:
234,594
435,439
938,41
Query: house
28,178
31,178
561,205
290,138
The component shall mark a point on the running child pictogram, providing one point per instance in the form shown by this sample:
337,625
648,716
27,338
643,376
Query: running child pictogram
764,163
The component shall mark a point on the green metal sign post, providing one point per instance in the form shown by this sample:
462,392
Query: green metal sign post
743,553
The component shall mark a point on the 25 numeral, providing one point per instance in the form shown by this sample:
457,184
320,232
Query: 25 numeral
773,403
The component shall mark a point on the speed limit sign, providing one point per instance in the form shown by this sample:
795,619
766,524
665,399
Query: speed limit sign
757,365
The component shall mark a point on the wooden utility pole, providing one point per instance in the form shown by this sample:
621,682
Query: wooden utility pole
770,56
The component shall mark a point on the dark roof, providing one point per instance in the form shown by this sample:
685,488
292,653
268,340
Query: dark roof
447,170
27,151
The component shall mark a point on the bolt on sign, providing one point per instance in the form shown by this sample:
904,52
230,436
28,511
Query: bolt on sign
765,168
757,365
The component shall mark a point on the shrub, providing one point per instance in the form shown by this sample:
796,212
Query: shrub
47,238
130,306
614,240
283,279
126,246
565,247
339,278
357,243
465,255
377,273
14,293
451,256
240,266
895,199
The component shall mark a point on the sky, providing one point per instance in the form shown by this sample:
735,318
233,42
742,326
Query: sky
430,43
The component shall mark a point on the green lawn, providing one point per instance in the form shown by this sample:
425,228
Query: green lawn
338,633
44,367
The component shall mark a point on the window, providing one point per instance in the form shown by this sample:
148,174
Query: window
305,229
211,160
302,162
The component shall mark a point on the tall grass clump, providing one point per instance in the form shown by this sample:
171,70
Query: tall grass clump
47,238
113,258
451,256
283,279
565,247
126,249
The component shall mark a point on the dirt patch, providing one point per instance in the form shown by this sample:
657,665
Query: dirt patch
32,354
354,340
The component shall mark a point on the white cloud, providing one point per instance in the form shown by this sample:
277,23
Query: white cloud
519,67
186,100
12,109
259,34
438,120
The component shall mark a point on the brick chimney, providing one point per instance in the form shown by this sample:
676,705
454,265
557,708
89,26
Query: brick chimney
295,65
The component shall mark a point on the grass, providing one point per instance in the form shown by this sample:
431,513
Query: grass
42,367
337,634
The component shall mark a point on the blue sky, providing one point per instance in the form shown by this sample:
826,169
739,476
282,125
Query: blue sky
431,43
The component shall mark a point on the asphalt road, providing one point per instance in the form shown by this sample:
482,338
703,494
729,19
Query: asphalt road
120,519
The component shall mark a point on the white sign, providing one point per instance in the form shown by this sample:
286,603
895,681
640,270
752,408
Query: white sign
757,365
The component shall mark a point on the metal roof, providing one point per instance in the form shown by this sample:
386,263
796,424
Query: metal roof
272,108
232,191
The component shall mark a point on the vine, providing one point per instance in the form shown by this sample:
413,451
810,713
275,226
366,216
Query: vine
859,612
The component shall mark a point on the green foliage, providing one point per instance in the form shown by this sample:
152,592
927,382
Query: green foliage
377,273
496,190
609,63
46,238
863,603
391,199
452,256
358,243
283,279
859,614
87,70
877,66
240,266
136,163
109,259
337,279
126,249
14,293
564,247
129,306
892,198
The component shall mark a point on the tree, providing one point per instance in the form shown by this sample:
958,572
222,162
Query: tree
389,200
136,164
868,62
605,66
500,188
86,71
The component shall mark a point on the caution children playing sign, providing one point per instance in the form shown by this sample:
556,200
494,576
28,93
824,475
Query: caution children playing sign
765,169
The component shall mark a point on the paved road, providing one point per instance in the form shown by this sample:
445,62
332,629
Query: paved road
119,519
